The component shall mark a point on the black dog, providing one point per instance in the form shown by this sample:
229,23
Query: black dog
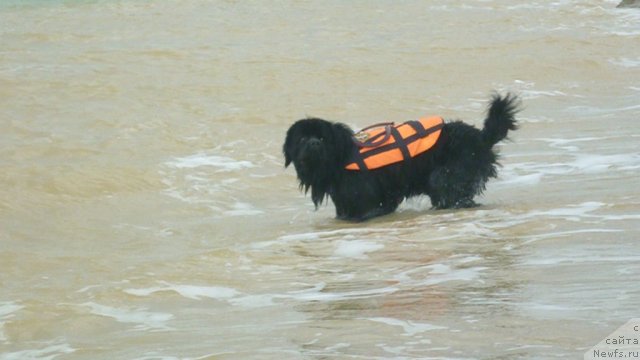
453,171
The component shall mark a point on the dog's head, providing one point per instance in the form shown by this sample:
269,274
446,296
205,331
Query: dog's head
318,149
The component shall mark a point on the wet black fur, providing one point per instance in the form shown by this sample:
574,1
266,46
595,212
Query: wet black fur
452,173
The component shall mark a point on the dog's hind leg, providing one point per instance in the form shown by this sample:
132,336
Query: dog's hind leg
454,188
439,202
366,211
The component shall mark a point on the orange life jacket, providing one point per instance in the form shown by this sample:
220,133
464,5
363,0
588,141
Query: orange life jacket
385,144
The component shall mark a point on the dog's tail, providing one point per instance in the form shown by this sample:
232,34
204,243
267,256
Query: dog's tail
501,117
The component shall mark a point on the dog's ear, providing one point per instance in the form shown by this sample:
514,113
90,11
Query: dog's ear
286,148
343,138
287,159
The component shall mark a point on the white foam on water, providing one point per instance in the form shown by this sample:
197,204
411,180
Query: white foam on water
620,217
223,163
316,293
620,22
355,249
337,346
526,6
158,357
285,239
580,259
626,62
438,268
194,292
300,237
599,110
410,328
591,163
400,351
574,211
583,164
466,274
434,274
337,234
627,24
8,308
468,259
514,179
254,301
243,209
524,347
564,144
47,353
419,203
554,235
534,94
191,179
340,234
527,91
7,311
144,320
476,229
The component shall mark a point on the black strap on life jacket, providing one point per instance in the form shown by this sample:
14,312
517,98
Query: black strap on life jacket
399,143
420,130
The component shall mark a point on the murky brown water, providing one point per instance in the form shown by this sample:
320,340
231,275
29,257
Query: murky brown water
145,212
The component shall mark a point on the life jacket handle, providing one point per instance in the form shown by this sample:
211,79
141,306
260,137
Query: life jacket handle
387,135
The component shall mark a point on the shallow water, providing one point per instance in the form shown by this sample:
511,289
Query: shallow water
145,212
